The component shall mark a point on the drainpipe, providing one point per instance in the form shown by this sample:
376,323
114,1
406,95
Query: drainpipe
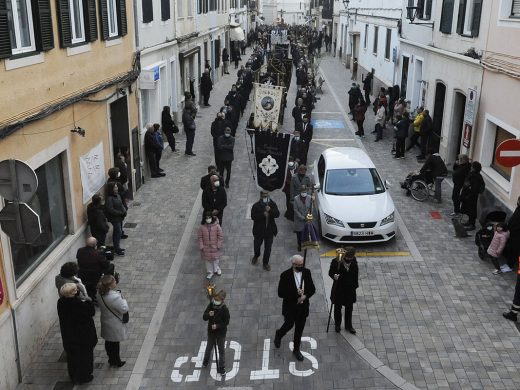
16,346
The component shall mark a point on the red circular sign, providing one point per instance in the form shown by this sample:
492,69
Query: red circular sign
508,153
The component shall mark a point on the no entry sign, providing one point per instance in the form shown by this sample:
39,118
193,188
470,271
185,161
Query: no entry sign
508,153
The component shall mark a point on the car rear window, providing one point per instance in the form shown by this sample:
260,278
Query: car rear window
352,182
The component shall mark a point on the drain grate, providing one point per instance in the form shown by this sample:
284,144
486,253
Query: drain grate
130,225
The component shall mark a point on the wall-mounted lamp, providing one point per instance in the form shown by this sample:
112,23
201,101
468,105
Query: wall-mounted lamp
78,130
345,3
411,15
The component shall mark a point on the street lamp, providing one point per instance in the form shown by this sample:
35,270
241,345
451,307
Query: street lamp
411,15
345,3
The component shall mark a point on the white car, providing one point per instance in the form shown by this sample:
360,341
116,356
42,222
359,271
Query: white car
353,202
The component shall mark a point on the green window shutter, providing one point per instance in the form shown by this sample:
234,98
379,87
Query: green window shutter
446,16
89,14
461,17
121,17
420,6
103,17
147,8
5,39
165,10
428,11
475,23
64,23
42,25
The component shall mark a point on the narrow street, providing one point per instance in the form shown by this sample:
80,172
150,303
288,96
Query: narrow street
428,313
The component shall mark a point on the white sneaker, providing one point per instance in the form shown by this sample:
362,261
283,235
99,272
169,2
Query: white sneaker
219,272
209,275
453,214
505,268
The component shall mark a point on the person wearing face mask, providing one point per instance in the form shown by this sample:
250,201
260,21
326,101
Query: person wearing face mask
297,112
296,146
211,239
217,315
306,131
302,207
295,287
292,168
214,199
217,129
205,181
263,213
300,180
345,273
224,154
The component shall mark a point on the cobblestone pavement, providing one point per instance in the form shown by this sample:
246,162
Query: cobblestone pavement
429,318
163,279
435,320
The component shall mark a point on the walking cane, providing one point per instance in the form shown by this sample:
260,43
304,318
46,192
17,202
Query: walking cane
340,253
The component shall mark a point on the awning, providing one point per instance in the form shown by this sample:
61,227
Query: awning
188,53
354,33
236,33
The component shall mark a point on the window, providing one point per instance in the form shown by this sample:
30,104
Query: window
365,41
515,9
388,43
376,33
147,8
446,16
212,5
49,203
113,18
25,26
180,8
199,6
424,9
353,182
468,19
165,10
190,8
501,136
77,22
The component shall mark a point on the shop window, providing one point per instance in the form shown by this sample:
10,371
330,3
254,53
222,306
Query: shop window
501,136
49,203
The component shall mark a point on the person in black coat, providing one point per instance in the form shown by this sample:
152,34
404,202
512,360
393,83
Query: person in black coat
188,121
218,127
297,112
263,213
168,127
401,132
206,85
78,333
152,148
473,187
92,263
217,315
306,131
367,87
461,170
295,287
354,94
97,220
214,199
224,154
426,132
345,273
512,250
225,60
115,212
205,181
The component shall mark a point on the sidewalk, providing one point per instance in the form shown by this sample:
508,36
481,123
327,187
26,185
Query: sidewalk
163,279
436,321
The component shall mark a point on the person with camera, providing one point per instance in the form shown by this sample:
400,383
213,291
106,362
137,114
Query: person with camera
345,273
114,317
92,264
217,315
78,332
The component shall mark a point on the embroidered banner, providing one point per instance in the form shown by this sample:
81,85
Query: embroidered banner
268,100
92,170
271,156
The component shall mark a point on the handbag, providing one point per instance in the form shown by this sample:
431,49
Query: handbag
124,319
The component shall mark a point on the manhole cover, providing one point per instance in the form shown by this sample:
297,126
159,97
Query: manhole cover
130,225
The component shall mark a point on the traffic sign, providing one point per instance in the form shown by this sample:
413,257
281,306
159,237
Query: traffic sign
20,223
18,181
508,153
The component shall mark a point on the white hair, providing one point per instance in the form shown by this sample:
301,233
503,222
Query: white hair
296,258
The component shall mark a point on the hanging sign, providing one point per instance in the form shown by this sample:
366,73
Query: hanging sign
92,170
271,156
268,100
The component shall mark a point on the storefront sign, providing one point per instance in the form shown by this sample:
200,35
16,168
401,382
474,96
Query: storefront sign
466,140
469,110
92,170
146,79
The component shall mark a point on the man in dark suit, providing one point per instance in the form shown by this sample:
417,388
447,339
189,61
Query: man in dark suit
205,181
306,131
92,264
295,288
214,199
263,214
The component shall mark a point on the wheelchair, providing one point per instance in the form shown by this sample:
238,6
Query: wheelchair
419,186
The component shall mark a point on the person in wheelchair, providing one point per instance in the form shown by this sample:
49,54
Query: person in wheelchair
433,171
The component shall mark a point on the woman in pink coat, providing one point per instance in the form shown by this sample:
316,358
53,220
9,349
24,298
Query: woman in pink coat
211,239
495,249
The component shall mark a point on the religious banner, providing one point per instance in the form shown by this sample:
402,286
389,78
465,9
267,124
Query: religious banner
92,170
268,100
271,156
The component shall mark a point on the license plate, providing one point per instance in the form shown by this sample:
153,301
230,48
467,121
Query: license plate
363,233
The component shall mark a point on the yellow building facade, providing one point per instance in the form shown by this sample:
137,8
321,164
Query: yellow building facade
62,69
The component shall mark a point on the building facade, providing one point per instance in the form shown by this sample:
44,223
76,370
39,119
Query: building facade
68,77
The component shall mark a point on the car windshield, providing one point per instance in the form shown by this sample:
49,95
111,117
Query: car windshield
351,182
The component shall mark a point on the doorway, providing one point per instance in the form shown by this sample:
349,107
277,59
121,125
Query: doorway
438,115
417,84
457,127
404,76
